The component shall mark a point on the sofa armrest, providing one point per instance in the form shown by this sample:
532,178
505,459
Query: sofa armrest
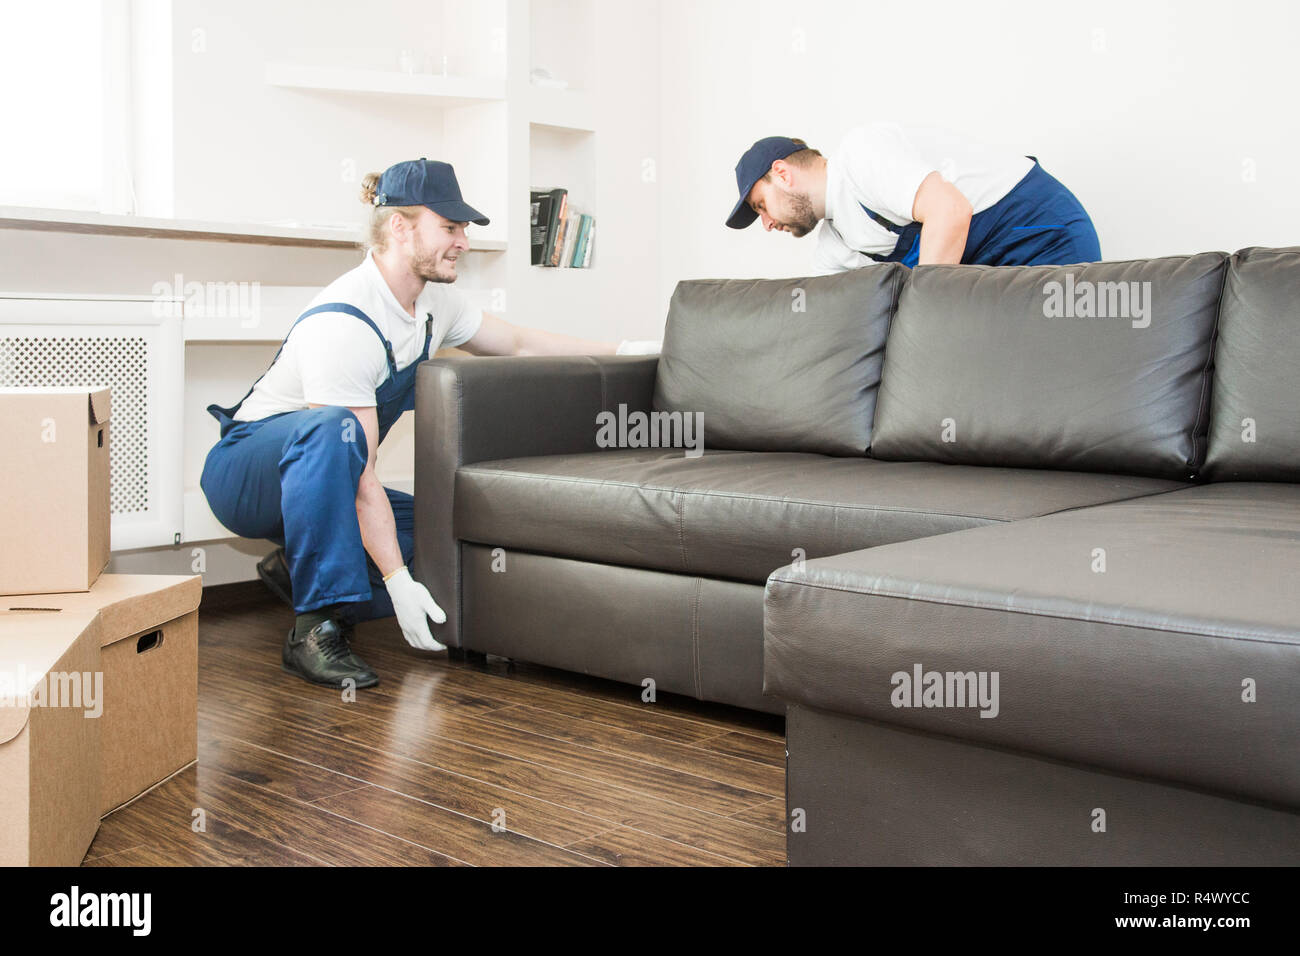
474,409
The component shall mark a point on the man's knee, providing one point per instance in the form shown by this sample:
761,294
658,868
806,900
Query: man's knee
1082,244
331,431
1076,244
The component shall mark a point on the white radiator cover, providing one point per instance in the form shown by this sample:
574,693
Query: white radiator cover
134,345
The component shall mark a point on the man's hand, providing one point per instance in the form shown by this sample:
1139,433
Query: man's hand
639,347
414,605
412,602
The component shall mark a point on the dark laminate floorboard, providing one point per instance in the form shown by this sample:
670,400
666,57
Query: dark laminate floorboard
447,763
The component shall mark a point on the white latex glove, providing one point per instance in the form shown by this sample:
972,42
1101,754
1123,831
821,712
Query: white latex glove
413,605
639,347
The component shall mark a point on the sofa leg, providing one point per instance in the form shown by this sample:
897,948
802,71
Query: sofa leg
466,655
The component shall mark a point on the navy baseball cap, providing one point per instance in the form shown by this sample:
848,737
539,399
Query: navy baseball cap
753,166
426,182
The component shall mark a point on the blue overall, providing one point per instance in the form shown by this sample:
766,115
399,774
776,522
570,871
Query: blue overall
1039,222
292,478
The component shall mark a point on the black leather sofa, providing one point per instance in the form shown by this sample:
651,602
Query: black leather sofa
1077,486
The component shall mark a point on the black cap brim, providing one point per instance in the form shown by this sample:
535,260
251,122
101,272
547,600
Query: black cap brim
459,212
743,214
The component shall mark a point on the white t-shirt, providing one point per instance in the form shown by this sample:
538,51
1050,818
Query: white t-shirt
333,358
882,166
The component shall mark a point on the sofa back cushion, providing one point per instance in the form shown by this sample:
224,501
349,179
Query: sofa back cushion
1255,409
779,364
1095,367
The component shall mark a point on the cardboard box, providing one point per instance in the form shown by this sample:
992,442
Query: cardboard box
55,488
149,635
49,736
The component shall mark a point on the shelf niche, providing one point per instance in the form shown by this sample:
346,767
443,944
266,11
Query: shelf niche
564,157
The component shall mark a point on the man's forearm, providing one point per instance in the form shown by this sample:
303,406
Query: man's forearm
539,342
378,529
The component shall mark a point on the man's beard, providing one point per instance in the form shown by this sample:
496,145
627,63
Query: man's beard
425,265
802,218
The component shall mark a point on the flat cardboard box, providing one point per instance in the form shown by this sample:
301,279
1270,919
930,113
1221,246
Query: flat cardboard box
148,630
49,744
55,488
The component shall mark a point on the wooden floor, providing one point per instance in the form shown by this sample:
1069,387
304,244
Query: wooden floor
572,770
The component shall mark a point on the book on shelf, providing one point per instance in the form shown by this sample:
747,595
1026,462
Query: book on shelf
557,241
571,258
560,234
572,232
548,211
556,238
540,223
580,246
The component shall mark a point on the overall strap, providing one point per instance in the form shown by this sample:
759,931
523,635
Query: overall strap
907,249
353,311
226,415
880,220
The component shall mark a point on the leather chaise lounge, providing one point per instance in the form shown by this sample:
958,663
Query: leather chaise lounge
1090,508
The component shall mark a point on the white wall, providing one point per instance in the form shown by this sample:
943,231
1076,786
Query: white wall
224,145
247,151
616,298
1150,112
1154,113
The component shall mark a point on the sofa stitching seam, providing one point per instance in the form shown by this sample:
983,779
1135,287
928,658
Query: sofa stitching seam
600,369
900,279
793,501
695,635
1228,633
1203,405
681,529
457,558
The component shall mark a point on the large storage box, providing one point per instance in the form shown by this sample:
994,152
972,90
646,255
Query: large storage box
50,734
148,630
55,486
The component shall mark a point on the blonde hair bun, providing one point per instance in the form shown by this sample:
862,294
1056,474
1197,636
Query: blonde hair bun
369,187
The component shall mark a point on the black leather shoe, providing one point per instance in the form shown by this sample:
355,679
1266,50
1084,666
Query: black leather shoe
348,628
274,572
322,656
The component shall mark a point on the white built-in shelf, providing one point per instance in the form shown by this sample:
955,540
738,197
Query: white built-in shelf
444,90
239,315
563,109
202,525
268,314
93,223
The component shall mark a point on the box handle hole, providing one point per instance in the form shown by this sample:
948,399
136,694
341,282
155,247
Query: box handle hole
147,642
101,438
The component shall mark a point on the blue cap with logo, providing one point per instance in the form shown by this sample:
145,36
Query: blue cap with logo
426,182
753,166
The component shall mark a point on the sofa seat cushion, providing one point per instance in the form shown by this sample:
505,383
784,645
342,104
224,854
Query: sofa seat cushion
739,515
1159,636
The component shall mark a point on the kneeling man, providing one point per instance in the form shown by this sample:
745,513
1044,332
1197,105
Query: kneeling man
296,460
